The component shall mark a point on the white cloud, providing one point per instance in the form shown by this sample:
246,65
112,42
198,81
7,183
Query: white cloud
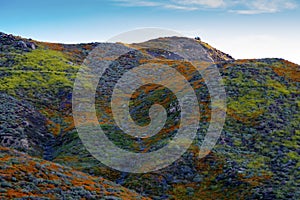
272,5
265,6
253,12
137,3
187,5
178,7
236,6
206,3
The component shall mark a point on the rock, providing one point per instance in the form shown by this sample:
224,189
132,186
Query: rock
190,191
14,179
22,44
6,185
112,198
31,45
197,179
2,190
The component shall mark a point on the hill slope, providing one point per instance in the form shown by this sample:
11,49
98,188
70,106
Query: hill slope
257,156
23,176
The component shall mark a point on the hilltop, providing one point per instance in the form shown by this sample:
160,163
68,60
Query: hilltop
256,157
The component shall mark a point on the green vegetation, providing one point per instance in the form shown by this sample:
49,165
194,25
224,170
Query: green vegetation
38,75
43,60
38,70
251,104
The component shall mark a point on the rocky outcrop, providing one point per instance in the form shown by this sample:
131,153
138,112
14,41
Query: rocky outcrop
9,42
22,127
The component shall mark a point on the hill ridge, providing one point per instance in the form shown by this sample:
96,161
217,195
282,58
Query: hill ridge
257,152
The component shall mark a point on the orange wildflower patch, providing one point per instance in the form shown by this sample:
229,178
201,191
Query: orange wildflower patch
255,180
288,70
5,158
11,193
70,123
54,46
53,127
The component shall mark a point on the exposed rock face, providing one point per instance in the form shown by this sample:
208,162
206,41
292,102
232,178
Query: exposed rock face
22,127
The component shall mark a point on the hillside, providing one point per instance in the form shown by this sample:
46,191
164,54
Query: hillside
256,157
23,176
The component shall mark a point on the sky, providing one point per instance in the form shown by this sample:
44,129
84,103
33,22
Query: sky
241,28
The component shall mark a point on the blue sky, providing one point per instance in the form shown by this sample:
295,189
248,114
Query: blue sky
244,29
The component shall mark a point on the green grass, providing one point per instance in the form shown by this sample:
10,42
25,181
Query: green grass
45,60
250,104
39,71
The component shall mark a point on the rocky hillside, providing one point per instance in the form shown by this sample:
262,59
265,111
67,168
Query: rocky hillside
26,177
256,157
26,129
